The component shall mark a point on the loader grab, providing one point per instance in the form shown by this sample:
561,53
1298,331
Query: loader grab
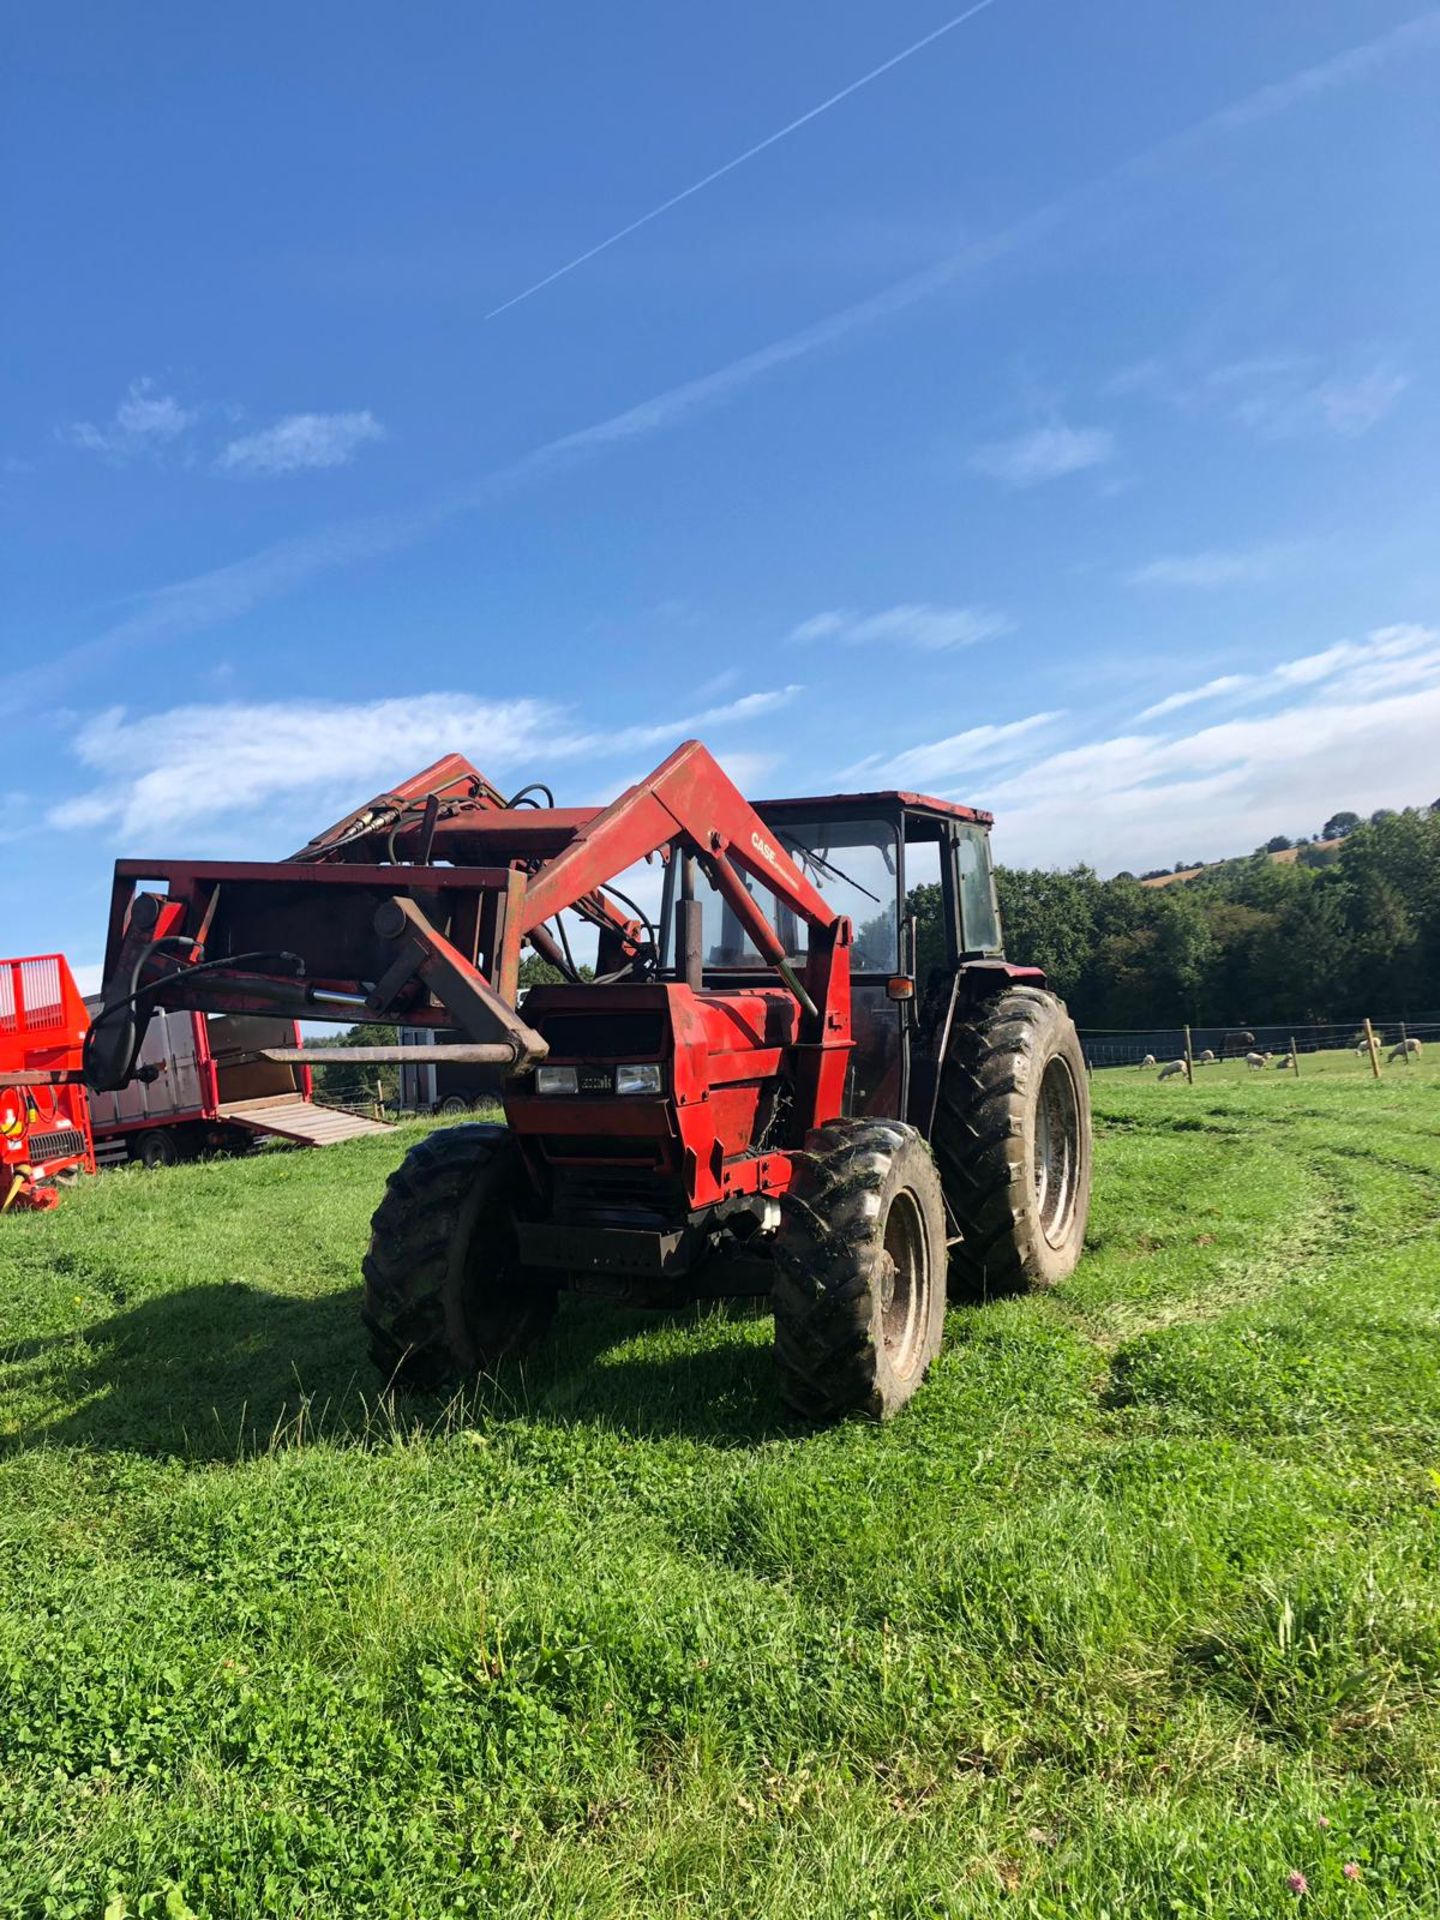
753,1095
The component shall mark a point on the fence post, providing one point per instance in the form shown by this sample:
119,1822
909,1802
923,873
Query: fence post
1374,1050
1189,1059
1294,1056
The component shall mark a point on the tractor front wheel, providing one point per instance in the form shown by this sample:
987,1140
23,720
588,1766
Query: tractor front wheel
859,1290
1012,1141
446,1295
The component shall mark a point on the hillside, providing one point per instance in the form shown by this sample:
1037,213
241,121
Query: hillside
1138,1601
1283,856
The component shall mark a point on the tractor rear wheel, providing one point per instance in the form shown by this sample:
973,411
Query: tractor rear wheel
1012,1141
859,1291
445,1293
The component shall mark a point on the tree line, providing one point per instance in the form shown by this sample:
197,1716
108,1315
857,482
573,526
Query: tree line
1350,930
1248,942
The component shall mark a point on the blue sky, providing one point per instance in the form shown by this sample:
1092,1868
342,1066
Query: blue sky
1049,422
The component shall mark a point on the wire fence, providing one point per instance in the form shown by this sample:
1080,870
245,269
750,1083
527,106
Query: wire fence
1341,1041
355,1093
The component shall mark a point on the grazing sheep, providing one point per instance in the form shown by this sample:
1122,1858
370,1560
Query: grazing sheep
1171,1067
1283,1062
1148,1061
1207,1058
1256,1060
1404,1048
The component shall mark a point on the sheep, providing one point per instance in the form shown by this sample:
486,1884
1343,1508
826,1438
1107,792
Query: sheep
1404,1049
1171,1067
1285,1060
1207,1058
1256,1060
1148,1061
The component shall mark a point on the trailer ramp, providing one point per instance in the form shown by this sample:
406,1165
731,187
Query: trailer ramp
293,1117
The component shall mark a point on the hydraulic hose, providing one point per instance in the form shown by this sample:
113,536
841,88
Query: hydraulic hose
126,1035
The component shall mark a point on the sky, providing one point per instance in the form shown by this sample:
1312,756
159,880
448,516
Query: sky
1033,404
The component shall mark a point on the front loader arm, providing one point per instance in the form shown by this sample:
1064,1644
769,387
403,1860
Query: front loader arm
448,786
441,811
341,933
690,797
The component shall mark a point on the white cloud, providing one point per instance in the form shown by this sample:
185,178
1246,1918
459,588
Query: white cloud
1395,655
930,629
197,763
750,706
149,423
1046,453
1212,690
1401,655
953,758
1275,396
144,422
1217,567
300,441
1285,398
1351,407
1362,734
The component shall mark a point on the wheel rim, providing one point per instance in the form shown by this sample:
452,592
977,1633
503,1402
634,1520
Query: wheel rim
905,1283
1057,1150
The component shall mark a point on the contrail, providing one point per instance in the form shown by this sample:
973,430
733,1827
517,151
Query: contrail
719,173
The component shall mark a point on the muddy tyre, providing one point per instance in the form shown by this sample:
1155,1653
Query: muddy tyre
859,1291
446,1296
1012,1141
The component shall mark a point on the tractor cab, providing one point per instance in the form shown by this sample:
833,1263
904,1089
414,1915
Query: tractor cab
913,876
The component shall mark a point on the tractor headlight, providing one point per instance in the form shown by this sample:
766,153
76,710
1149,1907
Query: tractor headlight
638,1079
556,1080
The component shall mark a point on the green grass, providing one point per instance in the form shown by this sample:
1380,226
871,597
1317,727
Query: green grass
1141,1592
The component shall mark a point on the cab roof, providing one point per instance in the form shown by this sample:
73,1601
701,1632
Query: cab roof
858,804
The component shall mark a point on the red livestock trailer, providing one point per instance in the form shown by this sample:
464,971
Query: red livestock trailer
44,1116
204,1085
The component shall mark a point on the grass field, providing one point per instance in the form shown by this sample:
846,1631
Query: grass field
1135,1612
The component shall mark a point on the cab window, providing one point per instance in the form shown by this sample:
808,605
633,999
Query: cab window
853,863
979,922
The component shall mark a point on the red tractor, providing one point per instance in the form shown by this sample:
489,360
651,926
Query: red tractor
754,1094
44,1114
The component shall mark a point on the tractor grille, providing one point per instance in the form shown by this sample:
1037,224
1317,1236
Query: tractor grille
68,1143
631,1035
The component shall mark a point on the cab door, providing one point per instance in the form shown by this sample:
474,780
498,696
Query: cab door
930,947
